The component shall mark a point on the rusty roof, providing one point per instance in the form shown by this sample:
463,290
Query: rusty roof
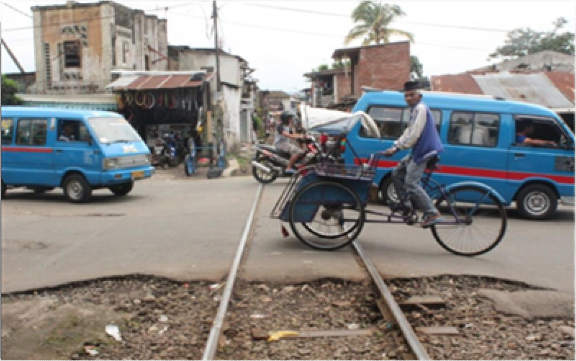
459,83
158,81
550,89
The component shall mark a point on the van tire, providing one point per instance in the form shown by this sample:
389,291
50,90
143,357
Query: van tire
387,192
121,189
4,188
77,189
536,201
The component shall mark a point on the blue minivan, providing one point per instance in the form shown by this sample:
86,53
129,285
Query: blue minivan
78,150
479,137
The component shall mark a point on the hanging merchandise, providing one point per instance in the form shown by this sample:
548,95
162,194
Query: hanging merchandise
172,100
150,100
140,99
128,98
160,99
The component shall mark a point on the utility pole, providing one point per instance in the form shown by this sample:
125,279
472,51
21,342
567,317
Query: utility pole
13,57
215,17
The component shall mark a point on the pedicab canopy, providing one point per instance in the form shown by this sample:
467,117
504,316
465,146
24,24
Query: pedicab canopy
335,121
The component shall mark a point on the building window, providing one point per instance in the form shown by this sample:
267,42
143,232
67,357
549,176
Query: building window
125,50
31,132
479,129
72,54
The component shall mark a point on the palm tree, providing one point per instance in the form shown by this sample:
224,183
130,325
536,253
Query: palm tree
374,19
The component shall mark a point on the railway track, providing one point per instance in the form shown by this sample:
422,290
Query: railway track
389,307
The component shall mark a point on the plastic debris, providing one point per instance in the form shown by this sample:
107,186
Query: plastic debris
275,336
257,316
285,233
163,330
353,326
91,350
114,331
163,318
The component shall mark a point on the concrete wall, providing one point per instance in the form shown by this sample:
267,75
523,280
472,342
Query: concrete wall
191,59
111,36
384,67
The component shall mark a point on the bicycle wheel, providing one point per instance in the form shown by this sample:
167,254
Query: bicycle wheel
474,221
326,215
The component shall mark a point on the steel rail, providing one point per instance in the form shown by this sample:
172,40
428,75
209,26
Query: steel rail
413,342
216,331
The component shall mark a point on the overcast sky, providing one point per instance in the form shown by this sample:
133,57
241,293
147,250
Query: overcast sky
282,40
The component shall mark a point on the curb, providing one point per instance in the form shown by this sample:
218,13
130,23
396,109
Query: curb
232,168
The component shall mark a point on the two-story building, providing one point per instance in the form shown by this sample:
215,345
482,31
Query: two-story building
383,66
77,45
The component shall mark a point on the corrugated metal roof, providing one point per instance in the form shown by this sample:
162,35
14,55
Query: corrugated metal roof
158,81
564,81
459,83
534,88
550,89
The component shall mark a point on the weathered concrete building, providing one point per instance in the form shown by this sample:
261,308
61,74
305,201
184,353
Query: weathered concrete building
77,45
235,101
384,66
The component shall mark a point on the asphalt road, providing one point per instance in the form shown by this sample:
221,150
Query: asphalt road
189,230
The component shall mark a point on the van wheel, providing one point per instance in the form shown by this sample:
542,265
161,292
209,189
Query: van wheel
76,189
4,188
121,189
536,201
387,192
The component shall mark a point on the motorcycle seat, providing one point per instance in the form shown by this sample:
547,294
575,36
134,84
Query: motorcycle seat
275,150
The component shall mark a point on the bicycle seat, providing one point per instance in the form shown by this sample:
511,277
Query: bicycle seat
432,163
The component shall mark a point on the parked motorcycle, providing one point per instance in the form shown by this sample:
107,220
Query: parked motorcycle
166,151
270,163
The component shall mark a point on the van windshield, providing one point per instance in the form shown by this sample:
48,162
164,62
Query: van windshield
113,130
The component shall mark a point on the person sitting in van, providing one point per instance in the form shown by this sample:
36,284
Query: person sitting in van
524,131
420,135
67,132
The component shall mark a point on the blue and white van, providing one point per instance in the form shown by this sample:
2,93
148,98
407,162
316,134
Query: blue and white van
101,151
479,137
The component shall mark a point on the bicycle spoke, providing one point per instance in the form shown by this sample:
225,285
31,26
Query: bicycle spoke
475,221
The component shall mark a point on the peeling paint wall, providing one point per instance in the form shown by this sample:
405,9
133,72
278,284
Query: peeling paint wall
109,36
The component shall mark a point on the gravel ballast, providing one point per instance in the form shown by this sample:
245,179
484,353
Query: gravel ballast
163,319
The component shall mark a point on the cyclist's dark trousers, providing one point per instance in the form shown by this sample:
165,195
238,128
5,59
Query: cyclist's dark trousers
406,177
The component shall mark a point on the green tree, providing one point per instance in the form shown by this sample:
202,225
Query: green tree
374,19
416,68
9,89
524,41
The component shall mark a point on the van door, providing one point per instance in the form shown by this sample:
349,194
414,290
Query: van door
30,157
74,149
474,151
550,163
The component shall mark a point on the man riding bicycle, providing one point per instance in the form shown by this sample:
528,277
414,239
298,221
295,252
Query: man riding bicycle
420,135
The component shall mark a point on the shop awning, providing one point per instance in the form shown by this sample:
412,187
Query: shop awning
134,81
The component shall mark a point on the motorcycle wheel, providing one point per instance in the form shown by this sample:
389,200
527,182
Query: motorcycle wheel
260,175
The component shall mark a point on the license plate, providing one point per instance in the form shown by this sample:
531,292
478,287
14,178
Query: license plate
138,174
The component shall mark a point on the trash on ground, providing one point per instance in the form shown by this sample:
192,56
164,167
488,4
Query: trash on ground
114,331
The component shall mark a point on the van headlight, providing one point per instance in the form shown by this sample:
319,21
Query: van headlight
111,163
148,158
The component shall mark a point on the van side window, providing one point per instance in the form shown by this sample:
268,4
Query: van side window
32,132
477,129
7,132
536,132
393,121
72,131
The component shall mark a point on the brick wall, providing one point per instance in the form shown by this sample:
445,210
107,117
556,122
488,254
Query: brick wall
384,67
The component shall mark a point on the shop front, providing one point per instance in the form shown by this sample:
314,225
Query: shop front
163,104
